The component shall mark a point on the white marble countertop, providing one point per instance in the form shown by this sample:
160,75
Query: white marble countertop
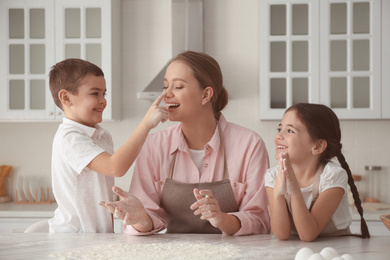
10,209
179,246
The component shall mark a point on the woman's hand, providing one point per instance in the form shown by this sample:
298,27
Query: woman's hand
207,206
130,210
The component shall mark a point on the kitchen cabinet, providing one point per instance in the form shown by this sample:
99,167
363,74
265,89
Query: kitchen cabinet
16,218
16,225
34,35
329,52
376,228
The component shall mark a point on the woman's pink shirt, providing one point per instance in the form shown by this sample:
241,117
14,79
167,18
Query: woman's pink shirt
247,161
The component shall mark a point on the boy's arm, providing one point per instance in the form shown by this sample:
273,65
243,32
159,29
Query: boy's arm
118,164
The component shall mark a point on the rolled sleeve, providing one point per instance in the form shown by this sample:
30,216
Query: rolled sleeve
146,185
253,211
158,225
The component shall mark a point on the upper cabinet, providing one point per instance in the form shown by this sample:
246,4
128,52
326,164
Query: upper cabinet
327,52
34,35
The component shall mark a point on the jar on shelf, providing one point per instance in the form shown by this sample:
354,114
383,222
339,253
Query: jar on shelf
373,183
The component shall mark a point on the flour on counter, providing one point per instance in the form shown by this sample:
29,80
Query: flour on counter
174,250
185,250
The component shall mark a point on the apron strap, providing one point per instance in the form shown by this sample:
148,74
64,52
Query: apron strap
316,187
222,147
170,173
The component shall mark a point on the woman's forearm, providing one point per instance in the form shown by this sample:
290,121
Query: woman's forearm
230,224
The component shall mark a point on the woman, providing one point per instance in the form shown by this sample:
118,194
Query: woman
204,175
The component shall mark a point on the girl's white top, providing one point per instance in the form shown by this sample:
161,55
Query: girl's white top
333,176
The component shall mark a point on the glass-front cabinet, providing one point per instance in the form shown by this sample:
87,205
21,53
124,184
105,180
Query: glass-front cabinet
37,34
327,52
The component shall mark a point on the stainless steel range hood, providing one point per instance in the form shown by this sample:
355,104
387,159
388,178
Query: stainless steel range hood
187,34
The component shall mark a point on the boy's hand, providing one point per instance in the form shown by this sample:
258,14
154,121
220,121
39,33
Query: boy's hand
156,113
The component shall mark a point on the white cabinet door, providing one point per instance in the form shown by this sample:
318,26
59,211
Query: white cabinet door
328,52
89,30
351,58
386,59
26,48
289,58
34,35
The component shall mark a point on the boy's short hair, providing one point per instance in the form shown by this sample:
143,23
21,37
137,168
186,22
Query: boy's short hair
68,74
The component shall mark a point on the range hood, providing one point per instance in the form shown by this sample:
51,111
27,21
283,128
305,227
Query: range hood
187,34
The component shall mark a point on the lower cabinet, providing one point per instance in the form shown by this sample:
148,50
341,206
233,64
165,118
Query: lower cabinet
19,225
376,228
16,225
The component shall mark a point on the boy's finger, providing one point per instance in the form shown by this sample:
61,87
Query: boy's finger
158,100
118,191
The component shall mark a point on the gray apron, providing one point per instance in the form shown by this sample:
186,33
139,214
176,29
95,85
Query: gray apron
177,197
330,228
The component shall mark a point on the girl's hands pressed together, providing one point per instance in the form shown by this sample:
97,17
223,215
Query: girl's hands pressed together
129,209
207,206
291,184
280,188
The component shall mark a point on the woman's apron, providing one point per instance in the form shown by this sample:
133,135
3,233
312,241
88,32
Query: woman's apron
330,228
177,197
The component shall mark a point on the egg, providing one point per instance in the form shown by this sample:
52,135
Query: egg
347,257
316,256
303,254
337,258
329,253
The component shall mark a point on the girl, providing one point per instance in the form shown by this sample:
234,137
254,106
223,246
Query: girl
307,191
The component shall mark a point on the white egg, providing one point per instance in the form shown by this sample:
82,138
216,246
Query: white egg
337,258
347,257
316,256
303,254
329,253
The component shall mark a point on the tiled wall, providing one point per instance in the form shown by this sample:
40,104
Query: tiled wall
231,36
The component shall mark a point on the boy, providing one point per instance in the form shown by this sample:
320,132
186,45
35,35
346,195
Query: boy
84,163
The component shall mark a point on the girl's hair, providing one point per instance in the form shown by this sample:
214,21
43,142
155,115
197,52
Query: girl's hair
208,73
322,123
68,74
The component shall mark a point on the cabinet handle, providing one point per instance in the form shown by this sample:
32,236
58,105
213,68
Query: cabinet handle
51,113
59,113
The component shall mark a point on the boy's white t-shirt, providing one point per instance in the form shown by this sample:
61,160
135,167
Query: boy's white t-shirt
78,189
333,176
